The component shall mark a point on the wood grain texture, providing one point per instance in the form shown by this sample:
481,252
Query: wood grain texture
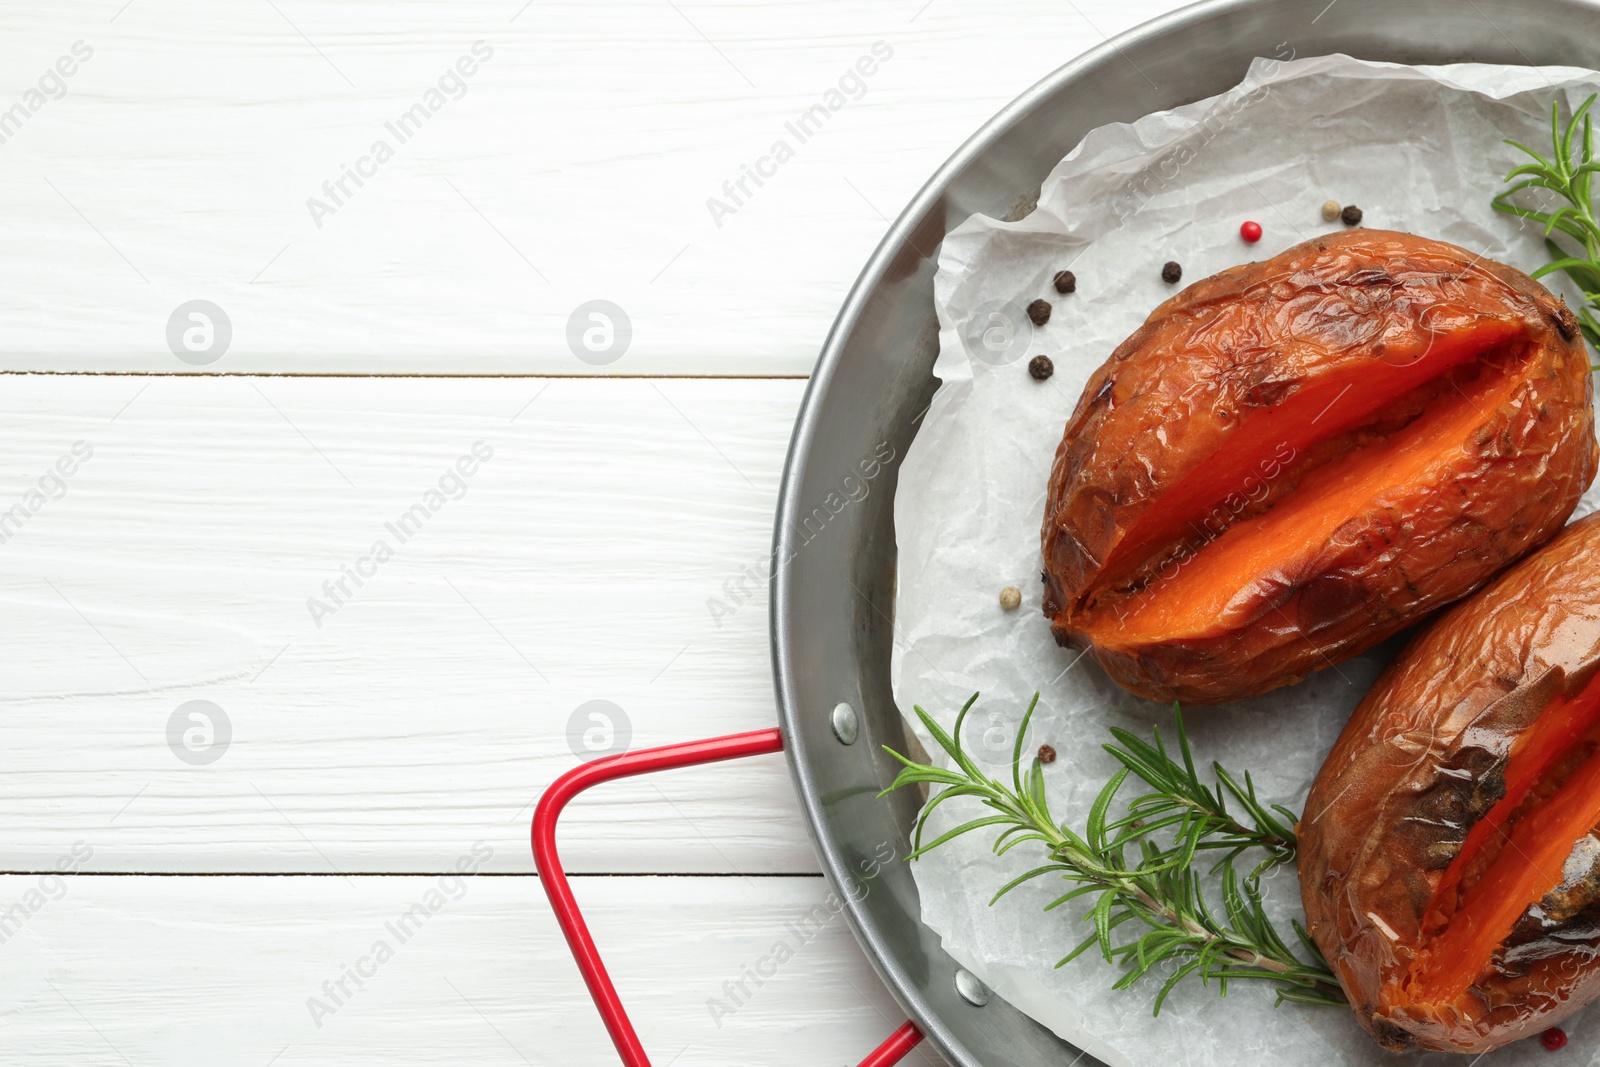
119,970
428,711
433,705
573,164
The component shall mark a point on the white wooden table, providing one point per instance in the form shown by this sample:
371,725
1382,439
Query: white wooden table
193,514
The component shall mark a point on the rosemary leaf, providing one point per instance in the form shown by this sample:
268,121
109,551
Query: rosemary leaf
1566,173
1140,864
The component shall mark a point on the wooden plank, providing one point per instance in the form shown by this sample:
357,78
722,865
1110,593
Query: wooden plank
433,702
119,970
180,159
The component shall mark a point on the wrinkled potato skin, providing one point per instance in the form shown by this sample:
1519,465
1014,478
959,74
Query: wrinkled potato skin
1371,836
1170,396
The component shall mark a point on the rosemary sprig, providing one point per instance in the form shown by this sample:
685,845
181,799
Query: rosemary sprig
1568,174
1143,867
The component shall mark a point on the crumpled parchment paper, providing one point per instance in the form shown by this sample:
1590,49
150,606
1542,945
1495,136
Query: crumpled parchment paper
1419,149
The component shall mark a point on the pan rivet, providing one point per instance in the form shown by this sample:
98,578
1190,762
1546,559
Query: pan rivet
972,991
845,724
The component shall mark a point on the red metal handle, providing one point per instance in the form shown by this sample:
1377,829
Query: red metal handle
559,890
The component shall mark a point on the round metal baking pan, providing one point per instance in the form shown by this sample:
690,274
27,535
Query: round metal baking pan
834,547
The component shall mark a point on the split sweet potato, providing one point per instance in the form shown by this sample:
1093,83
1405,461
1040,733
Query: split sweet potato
1450,846
1294,459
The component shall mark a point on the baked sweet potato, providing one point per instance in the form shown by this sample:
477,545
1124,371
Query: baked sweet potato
1294,459
1450,846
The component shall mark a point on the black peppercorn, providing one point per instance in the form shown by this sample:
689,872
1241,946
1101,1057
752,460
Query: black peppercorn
1039,312
1351,215
1066,281
1047,754
1171,272
1041,368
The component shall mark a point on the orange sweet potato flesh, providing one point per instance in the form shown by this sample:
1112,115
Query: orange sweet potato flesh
1294,459
1450,846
